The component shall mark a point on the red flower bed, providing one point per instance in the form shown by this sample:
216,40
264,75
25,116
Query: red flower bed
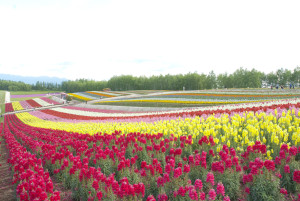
139,166
33,103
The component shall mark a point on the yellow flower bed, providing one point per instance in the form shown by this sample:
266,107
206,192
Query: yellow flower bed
17,106
239,131
80,97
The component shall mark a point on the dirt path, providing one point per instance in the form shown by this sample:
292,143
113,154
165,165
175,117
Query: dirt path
7,191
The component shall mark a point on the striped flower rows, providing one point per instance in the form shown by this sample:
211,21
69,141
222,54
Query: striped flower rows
94,95
33,103
209,97
250,152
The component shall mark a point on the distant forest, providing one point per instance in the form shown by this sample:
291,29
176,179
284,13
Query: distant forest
241,78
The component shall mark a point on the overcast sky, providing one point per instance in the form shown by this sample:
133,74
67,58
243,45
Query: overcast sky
97,39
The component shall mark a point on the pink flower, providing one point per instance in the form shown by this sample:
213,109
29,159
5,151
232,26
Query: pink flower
202,196
212,194
287,169
210,178
220,189
198,184
293,151
162,197
99,195
193,193
95,185
211,152
270,165
177,172
247,190
296,176
226,198
283,191
247,178
151,198
186,168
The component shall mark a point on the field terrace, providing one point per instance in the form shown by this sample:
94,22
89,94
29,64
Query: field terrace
247,151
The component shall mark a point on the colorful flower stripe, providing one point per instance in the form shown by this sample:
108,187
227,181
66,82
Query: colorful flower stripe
220,97
42,102
17,106
25,105
240,92
95,110
119,93
178,113
101,94
209,102
84,95
48,100
113,93
44,116
33,103
89,95
80,97
32,95
9,107
236,95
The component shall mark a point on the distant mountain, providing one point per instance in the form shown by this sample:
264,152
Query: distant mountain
31,79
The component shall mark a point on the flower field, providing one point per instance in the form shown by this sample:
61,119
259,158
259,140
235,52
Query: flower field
244,151
94,95
208,97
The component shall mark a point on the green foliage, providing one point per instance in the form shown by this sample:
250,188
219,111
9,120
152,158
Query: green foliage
14,86
265,187
151,189
287,178
106,166
231,181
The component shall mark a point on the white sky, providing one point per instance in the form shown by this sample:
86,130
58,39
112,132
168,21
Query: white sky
97,39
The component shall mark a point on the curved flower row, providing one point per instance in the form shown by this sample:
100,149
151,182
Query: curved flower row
80,97
31,95
33,182
48,100
183,101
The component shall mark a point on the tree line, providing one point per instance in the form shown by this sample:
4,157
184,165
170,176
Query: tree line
241,78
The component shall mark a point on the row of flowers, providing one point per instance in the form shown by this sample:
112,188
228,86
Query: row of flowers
107,94
181,101
239,92
80,96
32,95
94,95
191,112
31,180
33,103
164,167
223,97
